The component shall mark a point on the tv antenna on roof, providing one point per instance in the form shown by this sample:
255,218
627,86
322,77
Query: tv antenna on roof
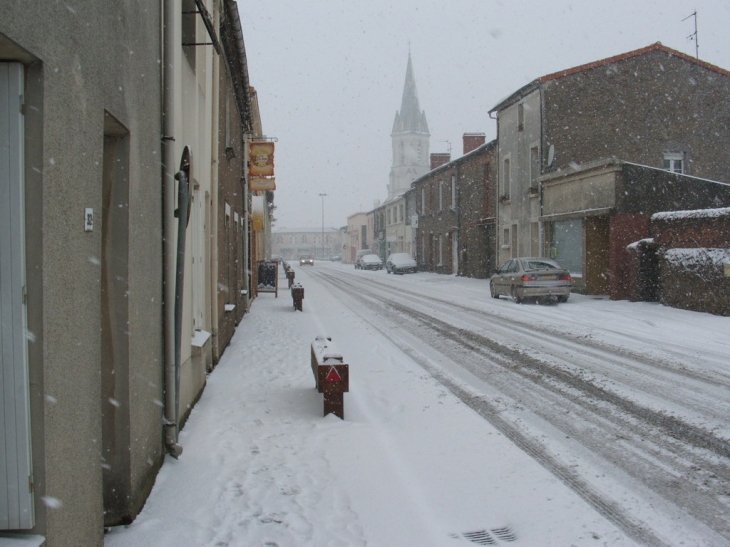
449,143
693,36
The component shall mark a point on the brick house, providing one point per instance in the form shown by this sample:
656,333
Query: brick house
477,208
654,106
454,208
436,204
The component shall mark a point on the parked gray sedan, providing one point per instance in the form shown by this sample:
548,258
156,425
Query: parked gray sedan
523,278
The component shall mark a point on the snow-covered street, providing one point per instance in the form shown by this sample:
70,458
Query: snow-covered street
469,421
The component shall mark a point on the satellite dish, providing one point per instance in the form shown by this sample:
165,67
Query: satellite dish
551,155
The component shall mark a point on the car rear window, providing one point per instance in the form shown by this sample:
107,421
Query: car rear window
540,265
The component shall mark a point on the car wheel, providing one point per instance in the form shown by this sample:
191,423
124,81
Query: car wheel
563,298
492,290
515,296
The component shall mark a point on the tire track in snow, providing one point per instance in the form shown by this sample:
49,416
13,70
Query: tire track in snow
640,375
705,509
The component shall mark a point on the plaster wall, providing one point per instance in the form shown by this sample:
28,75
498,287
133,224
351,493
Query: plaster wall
522,208
70,86
581,192
191,77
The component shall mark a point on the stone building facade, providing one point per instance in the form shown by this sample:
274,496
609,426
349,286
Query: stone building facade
654,106
291,243
611,203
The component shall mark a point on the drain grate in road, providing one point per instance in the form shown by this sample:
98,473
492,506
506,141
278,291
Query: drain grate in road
488,537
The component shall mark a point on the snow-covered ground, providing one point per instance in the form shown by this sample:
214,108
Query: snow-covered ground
469,421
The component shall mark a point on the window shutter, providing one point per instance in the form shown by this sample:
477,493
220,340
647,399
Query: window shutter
16,498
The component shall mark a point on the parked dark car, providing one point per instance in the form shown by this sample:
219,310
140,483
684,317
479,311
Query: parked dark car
306,260
399,263
523,278
371,262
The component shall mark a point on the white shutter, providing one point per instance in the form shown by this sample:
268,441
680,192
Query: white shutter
16,498
197,234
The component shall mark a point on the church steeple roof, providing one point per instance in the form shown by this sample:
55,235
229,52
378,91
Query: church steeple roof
410,118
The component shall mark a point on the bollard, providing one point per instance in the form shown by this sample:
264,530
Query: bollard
331,375
290,276
297,295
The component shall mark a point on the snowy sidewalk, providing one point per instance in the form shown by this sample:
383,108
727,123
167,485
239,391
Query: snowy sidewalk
409,466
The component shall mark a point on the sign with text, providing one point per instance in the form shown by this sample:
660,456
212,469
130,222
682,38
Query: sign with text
262,184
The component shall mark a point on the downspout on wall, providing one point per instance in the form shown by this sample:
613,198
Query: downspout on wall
497,204
169,245
214,195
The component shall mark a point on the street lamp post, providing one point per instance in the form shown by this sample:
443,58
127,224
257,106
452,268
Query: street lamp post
322,196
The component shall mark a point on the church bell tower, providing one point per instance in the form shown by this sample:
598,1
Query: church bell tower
410,139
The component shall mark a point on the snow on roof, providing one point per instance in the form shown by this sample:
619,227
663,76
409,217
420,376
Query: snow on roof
697,213
636,245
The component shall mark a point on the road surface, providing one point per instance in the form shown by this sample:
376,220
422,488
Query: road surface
627,404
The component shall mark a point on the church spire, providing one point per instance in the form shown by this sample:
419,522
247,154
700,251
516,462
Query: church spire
409,138
410,119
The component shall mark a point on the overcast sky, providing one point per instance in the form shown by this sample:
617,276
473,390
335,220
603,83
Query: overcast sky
330,74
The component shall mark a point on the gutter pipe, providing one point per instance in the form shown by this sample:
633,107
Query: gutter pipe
172,373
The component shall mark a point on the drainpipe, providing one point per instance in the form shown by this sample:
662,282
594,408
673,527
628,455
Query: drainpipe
169,250
457,195
497,204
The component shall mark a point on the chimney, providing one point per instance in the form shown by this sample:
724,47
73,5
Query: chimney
439,158
472,141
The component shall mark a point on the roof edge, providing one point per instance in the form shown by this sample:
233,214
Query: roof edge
658,46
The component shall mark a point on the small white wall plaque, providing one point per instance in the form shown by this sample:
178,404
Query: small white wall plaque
88,220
